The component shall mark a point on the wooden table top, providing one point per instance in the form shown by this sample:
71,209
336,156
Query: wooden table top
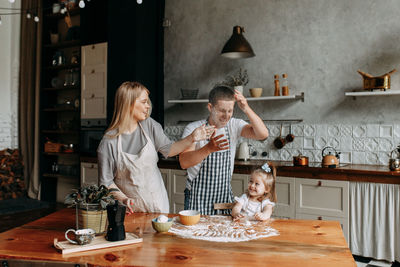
300,243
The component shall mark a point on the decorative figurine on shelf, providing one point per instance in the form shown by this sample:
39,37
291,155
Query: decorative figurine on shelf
116,217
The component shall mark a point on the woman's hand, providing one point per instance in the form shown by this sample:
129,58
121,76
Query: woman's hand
202,133
241,100
217,144
129,205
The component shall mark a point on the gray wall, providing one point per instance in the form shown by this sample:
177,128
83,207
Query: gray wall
319,43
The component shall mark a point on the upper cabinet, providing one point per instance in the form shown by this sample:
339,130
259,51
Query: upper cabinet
94,81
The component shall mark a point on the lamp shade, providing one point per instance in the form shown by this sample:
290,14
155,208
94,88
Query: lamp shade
237,46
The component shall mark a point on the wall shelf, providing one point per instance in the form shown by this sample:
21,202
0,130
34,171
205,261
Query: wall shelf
262,98
374,93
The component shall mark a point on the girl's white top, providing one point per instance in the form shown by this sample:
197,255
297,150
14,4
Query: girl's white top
249,207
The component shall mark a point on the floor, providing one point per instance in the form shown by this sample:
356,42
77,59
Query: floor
10,221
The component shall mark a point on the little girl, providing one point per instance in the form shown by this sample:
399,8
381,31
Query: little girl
260,196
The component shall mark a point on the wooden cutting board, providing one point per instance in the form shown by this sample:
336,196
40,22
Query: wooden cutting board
98,242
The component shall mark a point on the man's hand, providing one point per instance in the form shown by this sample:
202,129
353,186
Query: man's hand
241,100
216,143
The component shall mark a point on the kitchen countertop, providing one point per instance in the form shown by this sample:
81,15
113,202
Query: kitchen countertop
345,172
299,243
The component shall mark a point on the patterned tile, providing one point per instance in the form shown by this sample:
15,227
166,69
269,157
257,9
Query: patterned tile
333,130
371,144
346,130
309,143
274,130
383,158
371,158
359,131
298,130
345,157
286,155
321,130
386,131
346,143
309,130
321,142
334,142
373,130
309,154
358,157
396,131
385,144
317,155
359,144
274,155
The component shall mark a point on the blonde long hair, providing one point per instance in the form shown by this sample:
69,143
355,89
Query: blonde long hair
125,98
268,178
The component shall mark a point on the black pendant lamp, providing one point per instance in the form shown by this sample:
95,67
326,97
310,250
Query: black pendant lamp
237,46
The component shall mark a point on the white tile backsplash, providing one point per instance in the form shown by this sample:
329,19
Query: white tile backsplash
358,144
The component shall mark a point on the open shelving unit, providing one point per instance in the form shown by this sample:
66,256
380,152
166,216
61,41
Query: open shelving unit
373,93
262,98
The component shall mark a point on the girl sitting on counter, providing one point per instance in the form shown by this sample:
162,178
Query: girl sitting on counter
127,154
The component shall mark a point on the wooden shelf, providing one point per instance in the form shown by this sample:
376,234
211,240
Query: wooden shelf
63,67
64,44
262,98
61,154
374,93
65,88
57,175
61,109
60,131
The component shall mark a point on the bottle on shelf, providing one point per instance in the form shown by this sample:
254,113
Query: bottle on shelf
277,87
285,85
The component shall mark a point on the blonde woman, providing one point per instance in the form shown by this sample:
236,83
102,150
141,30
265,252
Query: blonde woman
127,154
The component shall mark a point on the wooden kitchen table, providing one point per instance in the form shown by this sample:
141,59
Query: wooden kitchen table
300,243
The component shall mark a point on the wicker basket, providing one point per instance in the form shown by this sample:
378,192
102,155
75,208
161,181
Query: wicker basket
189,93
50,147
92,216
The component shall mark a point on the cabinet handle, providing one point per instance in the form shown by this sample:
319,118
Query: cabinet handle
320,218
92,166
319,183
92,71
93,47
92,96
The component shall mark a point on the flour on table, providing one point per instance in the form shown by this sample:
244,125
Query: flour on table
222,229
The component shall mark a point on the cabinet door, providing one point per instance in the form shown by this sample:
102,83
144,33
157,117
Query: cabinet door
94,81
178,185
239,184
89,173
65,187
322,197
285,206
344,222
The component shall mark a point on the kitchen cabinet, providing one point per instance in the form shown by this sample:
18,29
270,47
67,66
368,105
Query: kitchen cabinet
239,184
94,81
285,190
89,173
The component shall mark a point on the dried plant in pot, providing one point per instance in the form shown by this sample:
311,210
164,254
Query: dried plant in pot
237,80
90,202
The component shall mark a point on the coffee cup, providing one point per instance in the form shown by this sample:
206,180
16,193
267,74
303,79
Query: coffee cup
82,236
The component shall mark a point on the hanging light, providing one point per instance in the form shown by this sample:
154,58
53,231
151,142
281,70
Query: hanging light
28,15
139,1
81,4
36,18
11,1
237,46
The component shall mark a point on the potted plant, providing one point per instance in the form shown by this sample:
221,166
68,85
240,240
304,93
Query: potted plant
90,202
237,80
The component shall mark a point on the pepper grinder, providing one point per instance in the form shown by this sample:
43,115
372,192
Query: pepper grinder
277,87
285,86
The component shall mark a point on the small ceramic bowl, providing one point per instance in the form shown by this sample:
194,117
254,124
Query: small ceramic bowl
256,92
189,217
161,226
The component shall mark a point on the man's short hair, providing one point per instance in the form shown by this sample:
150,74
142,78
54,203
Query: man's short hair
221,93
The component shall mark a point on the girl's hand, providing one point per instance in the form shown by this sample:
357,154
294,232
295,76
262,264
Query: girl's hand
202,133
216,143
241,100
129,205
261,216
237,217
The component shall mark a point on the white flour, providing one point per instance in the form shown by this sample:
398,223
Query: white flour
223,229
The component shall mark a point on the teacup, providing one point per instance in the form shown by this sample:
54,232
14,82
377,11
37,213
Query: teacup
82,236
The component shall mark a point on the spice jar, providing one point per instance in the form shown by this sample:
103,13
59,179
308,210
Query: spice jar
285,86
277,87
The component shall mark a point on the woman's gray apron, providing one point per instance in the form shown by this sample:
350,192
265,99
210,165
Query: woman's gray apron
139,178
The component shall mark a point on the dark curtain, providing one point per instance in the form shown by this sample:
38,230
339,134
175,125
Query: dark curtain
29,86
